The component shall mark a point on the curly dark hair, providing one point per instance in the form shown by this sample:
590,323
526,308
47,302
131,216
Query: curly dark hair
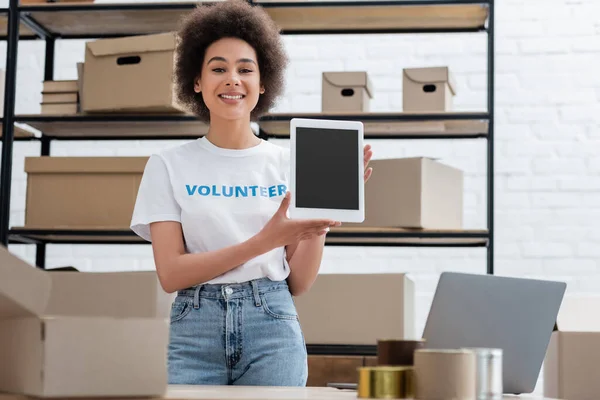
231,18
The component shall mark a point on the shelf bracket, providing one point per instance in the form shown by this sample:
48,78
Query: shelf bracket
35,26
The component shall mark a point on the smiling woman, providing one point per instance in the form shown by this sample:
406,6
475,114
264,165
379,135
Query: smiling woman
235,36
230,82
215,210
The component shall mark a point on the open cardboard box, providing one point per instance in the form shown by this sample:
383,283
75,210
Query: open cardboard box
573,356
74,334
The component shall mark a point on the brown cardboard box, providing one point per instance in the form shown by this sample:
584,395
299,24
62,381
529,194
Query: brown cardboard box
75,334
59,108
131,74
573,356
334,310
59,86
60,97
428,89
81,191
346,91
149,301
414,192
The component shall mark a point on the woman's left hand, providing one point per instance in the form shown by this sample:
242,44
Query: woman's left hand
368,153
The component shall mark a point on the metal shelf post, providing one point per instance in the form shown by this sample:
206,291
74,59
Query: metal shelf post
8,120
490,142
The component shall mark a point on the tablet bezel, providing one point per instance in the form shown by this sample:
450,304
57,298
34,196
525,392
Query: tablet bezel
341,215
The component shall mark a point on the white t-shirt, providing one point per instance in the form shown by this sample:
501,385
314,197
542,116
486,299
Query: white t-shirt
221,197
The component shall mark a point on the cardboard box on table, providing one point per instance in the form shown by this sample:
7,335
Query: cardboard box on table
573,356
72,334
357,309
353,309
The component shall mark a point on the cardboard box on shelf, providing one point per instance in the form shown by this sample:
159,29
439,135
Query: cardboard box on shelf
68,334
81,191
573,355
414,192
59,108
429,89
60,97
331,312
130,74
346,92
60,86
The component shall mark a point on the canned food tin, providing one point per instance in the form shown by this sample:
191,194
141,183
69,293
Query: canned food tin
385,382
488,373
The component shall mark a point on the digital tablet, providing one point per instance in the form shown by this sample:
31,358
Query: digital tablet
327,171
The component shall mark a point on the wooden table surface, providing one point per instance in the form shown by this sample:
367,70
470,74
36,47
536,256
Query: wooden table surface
274,393
253,393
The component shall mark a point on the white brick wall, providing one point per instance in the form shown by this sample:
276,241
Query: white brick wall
547,141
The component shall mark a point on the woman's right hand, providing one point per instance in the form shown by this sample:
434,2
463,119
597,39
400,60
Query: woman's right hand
281,230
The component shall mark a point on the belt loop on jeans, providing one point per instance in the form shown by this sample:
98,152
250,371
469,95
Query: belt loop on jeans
255,292
197,297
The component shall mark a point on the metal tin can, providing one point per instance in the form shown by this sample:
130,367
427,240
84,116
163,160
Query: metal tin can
385,382
488,373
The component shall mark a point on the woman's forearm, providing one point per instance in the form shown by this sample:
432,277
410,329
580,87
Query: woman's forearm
191,269
178,270
305,264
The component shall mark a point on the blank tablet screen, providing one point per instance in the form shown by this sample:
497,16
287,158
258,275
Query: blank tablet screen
327,170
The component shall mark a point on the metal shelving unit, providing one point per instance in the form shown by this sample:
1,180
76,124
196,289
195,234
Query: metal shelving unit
89,21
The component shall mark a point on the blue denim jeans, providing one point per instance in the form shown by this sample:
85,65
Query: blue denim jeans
237,334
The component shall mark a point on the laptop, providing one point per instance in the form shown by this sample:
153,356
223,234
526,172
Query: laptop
514,314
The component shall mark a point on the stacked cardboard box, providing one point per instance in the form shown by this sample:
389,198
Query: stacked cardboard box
60,97
114,79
